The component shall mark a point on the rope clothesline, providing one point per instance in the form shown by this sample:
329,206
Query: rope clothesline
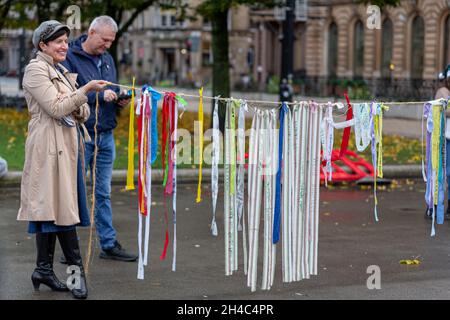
266,102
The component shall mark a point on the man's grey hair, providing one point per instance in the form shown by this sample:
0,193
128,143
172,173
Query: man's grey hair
103,21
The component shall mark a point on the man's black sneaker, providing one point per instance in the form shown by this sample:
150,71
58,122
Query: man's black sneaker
117,253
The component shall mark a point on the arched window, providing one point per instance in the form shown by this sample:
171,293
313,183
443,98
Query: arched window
417,47
332,50
446,59
386,48
358,50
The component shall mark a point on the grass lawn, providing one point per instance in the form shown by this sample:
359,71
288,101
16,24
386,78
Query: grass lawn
13,131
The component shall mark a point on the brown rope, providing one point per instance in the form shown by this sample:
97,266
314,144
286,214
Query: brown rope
93,177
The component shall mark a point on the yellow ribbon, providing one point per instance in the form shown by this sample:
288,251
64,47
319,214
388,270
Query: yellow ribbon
130,172
200,124
435,138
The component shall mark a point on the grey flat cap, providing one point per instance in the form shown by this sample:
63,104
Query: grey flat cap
46,30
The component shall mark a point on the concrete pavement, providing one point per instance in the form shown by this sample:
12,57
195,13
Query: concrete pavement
349,241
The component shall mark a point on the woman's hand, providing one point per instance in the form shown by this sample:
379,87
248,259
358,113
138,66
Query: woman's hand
95,85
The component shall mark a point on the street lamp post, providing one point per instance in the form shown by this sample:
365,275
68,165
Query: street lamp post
287,55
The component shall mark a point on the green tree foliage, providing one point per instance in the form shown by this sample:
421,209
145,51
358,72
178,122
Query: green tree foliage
16,14
216,11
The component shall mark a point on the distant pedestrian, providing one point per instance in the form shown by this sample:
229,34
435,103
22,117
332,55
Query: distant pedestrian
287,92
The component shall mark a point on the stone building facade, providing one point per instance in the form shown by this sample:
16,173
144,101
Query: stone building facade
405,54
333,44
414,35
159,48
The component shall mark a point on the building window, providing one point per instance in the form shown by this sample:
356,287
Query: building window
332,50
358,50
206,54
163,20
446,59
417,47
386,48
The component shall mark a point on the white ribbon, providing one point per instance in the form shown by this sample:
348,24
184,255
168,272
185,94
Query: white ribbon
254,199
363,134
241,162
148,187
327,139
241,178
269,147
215,165
316,174
174,196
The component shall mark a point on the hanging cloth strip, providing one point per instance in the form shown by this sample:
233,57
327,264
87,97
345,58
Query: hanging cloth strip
316,173
142,143
168,129
180,103
233,189
267,146
377,147
148,114
230,219
346,135
168,125
277,216
243,109
173,156
303,180
327,139
254,197
286,191
144,177
346,125
316,116
130,172
295,197
312,191
362,114
200,127
434,112
156,96
215,165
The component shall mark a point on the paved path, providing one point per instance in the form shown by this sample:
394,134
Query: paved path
349,242
403,127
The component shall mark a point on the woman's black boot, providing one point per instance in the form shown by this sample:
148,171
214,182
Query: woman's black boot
43,274
69,244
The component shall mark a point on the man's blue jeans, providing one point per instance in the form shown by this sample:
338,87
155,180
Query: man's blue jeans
104,163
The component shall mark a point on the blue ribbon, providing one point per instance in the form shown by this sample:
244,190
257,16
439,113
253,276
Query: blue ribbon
441,194
156,96
277,213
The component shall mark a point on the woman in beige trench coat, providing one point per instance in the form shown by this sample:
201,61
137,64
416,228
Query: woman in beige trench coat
53,197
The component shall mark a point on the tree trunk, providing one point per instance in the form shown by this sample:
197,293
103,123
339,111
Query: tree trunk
221,65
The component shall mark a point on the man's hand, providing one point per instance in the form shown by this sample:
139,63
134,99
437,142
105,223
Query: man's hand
123,102
109,95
